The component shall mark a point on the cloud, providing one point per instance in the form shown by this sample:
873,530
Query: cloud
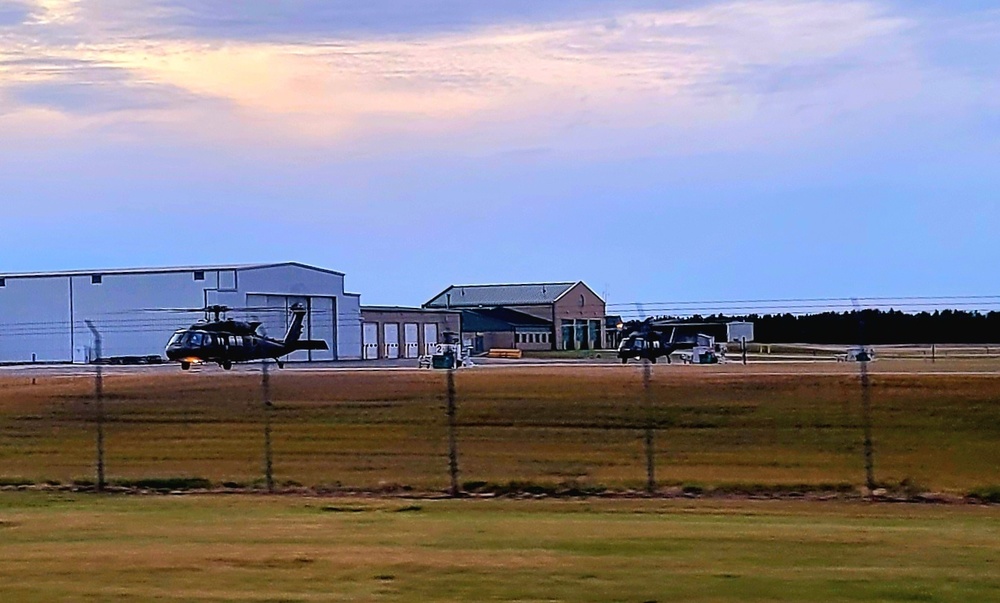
107,95
291,20
686,79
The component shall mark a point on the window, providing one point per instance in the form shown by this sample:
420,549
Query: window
199,275
96,279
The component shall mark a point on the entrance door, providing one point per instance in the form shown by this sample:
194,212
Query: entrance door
410,333
391,338
371,341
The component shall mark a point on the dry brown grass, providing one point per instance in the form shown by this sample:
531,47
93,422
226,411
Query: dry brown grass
767,426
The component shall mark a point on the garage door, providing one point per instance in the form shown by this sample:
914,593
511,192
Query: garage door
430,338
391,338
371,341
410,338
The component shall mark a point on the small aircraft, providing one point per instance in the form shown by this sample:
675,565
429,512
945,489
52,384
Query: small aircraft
227,341
651,339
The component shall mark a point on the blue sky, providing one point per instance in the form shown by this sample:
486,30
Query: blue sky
658,150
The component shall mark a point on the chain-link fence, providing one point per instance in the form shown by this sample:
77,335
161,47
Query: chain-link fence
765,428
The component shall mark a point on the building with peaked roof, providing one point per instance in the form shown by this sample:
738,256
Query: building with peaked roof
43,316
573,314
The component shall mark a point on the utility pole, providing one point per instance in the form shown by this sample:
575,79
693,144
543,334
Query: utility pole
99,405
452,436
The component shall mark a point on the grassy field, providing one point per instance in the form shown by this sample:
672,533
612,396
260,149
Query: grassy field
736,427
57,547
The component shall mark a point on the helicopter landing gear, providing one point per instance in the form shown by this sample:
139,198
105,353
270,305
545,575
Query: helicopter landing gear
624,360
227,365
185,366
652,359
281,364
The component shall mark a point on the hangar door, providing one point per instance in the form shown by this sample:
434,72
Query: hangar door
391,338
410,334
322,324
371,340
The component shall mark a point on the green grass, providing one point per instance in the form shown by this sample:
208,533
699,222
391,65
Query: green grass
565,429
225,548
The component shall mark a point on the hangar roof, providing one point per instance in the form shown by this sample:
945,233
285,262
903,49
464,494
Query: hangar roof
489,296
163,270
502,319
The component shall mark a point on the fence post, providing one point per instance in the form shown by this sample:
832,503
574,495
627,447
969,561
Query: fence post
647,399
866,411
452,436
265,387
866,400
99,405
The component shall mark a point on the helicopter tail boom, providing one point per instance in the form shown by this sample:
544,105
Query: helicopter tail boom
310,345
292,339
295,329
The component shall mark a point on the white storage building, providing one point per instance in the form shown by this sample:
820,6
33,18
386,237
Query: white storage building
43,316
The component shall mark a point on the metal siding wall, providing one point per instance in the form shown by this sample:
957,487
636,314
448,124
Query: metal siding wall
115,306
35,319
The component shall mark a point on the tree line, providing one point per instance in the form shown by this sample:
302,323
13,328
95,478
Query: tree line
871,327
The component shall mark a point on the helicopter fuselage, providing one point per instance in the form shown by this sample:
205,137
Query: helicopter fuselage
228,342
650,344
190,346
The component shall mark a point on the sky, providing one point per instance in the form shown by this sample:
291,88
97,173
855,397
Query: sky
659,151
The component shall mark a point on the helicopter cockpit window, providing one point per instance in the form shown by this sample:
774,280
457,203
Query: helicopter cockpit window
195,339
176,339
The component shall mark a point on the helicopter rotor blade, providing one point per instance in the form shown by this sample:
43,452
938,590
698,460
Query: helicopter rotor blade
221,309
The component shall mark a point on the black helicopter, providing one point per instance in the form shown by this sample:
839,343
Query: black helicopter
227,341
650,339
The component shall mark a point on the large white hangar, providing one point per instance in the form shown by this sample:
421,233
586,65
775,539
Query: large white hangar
43,316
